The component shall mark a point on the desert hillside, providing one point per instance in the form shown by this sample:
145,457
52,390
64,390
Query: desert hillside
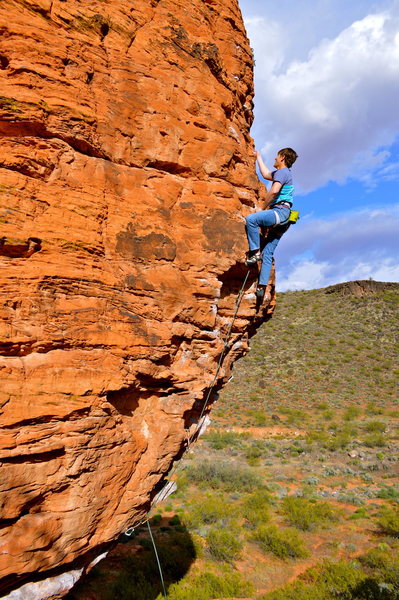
337,345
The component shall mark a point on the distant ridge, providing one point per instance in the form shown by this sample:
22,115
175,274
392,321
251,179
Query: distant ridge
361,288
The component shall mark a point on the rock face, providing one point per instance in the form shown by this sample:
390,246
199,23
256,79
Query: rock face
127,169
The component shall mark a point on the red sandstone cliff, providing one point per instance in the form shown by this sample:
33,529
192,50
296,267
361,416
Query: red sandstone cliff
126,171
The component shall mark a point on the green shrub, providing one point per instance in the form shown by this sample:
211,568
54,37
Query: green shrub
382,563
375,427
256,508
156,519
314,436
255,450
224,545
127,587
209,509
376,558
296,417
331,471
175,520
375,440
137,576
230,477
328,415
208,585
350,498
351,413
388,492
359,513
257,417
338,579
297,591
258,499
284,543
218,440
344,581
389,521
182,484
312,481
339,441
253,461
373,409
145,543
307,514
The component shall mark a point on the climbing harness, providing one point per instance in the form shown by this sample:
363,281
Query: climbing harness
292,218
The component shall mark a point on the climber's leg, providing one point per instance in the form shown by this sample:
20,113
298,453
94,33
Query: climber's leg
267,256
263,218
273,238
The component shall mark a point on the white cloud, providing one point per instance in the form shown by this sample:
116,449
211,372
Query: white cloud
348,246
306,275
304,24
338,106
270,44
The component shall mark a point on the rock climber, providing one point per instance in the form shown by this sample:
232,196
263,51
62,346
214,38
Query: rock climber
275,214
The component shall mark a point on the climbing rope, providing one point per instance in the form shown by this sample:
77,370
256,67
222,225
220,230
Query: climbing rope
158,561
210,390
129,531
237,305
215,378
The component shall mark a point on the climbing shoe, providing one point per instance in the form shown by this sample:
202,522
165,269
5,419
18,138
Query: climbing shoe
261,295
253,260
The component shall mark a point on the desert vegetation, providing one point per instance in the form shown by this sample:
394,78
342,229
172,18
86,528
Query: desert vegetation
293,493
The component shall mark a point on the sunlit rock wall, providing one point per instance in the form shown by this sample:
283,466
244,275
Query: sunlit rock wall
126,169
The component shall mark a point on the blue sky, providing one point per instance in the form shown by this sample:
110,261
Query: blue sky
327,84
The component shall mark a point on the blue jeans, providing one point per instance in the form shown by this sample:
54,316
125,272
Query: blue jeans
266,218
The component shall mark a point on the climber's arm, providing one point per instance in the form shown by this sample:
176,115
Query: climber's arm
266,173
272,194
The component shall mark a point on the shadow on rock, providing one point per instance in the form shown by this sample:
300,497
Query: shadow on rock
130,571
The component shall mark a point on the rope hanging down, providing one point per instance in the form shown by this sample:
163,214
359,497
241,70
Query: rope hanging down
237,305
130,530
158,561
